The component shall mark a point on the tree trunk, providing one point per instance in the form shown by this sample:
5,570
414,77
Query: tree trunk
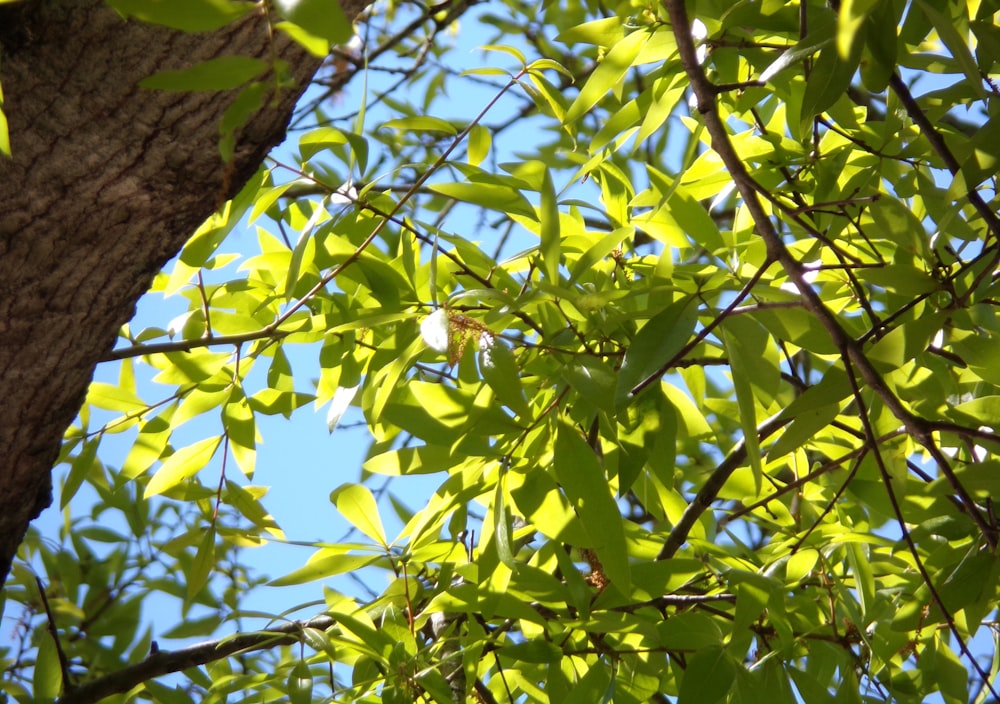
106,183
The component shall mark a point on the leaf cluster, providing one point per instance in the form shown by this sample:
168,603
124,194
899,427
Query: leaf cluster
690,331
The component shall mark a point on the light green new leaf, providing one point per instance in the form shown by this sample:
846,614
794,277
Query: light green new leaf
424,459
186,15
246,503
356,503
488,195
602,32
114,397
607,75
479,142
181,465
238,114
149,444
222,73
585,483
320,18
421,123
320,139
864,578
323,566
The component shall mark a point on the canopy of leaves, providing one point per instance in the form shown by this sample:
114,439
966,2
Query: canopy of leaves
690,322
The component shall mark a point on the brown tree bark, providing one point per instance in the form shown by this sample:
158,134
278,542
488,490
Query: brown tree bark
106,183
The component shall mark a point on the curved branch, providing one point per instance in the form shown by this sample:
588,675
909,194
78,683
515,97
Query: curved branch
709,491
164,662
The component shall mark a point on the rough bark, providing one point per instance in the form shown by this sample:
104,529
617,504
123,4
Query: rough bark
106,183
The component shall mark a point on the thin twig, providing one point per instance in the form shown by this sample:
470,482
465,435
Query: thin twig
51,619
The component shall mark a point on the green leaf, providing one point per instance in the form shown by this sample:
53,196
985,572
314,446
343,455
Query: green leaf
47,676
421,123
850,18
586,485
488,195
83,464
222,73
957,46
657,342
241,429
300,684
149,445
321,566
425,459
828,82
248,505
803,49
607,75
502,527
533,651
114,397
204,562
183,464
708,678
548,217
321,18
745,343
238,114
479,141
499,370
356,503
186,15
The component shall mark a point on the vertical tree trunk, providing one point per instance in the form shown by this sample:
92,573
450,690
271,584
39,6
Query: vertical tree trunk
106,183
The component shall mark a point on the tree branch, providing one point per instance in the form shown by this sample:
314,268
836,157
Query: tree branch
164,662
749,190
712,486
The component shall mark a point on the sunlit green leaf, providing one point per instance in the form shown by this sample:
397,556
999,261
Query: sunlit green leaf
321,18
356,503
183,464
